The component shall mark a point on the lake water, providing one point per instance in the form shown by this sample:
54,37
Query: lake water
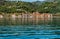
30,32
43,29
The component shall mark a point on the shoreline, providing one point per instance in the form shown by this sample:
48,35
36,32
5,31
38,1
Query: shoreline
27,15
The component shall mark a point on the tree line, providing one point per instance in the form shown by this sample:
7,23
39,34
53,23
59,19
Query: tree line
38,6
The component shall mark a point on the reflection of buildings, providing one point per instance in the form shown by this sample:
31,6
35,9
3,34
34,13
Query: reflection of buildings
33,18
26,18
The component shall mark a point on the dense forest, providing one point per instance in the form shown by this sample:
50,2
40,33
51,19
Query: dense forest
37,6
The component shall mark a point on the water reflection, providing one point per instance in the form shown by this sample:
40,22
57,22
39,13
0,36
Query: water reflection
19,28
24,21
29,21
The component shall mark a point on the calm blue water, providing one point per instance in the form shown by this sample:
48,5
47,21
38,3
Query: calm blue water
30,32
